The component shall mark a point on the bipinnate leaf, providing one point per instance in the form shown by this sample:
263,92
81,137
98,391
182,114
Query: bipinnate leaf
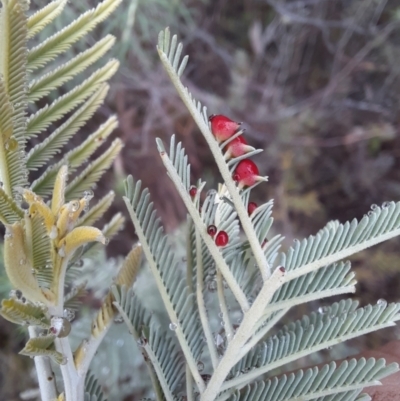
54,79
130,267
176,295
97,211
330,382
58,198
12,171
73,300
61,41
93,390
77,237
390,388
49,114
45,16
93,172
337,241
9,210
337,323
13,54
42,346
18,265
157,344
40,154
24,313
37,242
74,158
333,279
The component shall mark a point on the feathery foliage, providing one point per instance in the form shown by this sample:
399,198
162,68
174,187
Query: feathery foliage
311,270
43,241
234,266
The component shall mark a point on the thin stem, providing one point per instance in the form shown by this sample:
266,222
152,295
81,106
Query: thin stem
224,309
189,255
243,334
89,350
60,268
73,391
261,333
189,385
201,304
44,373
165,297
289,303
4,171
215,252
222,166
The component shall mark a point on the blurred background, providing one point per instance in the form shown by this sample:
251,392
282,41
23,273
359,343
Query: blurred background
316,84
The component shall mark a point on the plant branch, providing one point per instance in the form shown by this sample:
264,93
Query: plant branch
242,335
201,304
73,387
189,385
165,297
244,379
224,309
219,159
289,303
344,253
44,373
260,332
214,250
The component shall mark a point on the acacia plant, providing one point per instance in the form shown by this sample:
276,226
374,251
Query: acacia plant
225,306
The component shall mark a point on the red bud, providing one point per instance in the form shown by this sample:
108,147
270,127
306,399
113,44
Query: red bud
246,173
222,239
223,127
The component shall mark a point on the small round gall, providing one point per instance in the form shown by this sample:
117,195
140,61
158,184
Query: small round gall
251,207
192,191
221,239
223,127
237,147
211,230
246,173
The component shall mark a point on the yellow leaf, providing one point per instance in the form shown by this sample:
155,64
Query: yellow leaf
37,205
78,209
78,237
18,266
41,346
59,190
130,267
64,221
